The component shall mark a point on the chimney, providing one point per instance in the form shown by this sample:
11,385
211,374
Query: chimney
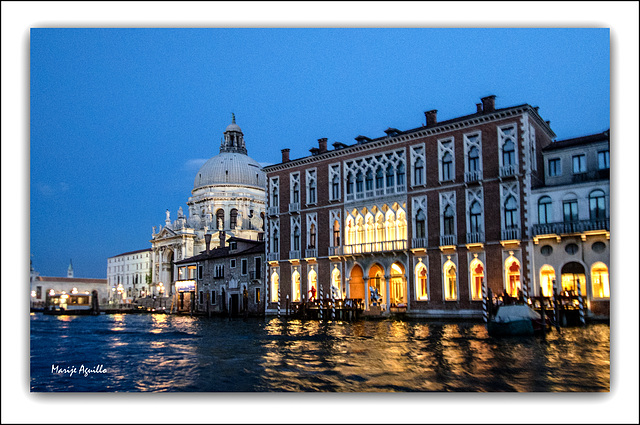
207,241
479,106
431,117
285,155
322,144
489,103
222,238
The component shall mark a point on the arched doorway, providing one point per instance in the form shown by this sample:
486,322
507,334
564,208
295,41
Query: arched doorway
377,290
573,278
313,285
397,286
356,283
547,276
336,285
477,279
600,280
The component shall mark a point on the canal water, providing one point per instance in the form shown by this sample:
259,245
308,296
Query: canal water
157,352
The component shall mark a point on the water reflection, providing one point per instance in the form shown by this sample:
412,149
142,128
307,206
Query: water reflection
168,353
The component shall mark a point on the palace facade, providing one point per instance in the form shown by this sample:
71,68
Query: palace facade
419,221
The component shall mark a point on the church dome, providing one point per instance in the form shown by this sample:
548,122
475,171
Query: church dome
230,168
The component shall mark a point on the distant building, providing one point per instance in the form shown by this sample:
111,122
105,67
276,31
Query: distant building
228,197
419,221
129,276
52,285
570,220
224,280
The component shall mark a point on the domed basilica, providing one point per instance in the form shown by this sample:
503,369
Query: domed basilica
228,199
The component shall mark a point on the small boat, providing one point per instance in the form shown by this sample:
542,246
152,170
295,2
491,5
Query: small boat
72,304
516,320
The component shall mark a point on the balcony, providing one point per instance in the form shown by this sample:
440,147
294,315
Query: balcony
311,253
273,256
294,207
508,170
472,176
371,247
391,190
400,189
335,250
475,237
511,233
350,197
565,228
294,255
379,192
446,240
419,243
273,211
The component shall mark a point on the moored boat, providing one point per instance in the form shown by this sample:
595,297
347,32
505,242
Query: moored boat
72,304
516,320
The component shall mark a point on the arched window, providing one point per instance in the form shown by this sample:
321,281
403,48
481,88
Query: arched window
233,218
473,160
312,237
597,209
420,224
335,188
401,174
547,276
422,290
570,210
276,245
275,284
512,267
220,219
379,178
295,290
391,228
349,184
360,230
450,285
477,279
600,280
336,283
351,232
449,221
418,169
401,223
447,167
544,210
508,153
475,214
336,233
510,212
313,285
390,176
296,192
369,180
296,239
359,183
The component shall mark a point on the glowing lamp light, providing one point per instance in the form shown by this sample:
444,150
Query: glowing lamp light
33,294
52,292
74,291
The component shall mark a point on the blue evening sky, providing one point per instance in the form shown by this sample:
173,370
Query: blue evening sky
121,119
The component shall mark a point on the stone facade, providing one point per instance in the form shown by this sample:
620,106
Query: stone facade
128,274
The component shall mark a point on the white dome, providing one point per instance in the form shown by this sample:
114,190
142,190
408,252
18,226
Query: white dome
229,168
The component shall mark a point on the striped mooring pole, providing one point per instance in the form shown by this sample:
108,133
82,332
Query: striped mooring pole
525,292
556,308
278,300
485,315
580,305
333,303
321,300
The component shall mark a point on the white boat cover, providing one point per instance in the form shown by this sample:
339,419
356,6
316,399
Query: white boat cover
510,313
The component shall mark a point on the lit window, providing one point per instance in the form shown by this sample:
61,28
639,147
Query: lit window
336,233
450,288
336,283
547,276
579,164
275,284
313,285
477,279
600,280
512,267
295,280
421,282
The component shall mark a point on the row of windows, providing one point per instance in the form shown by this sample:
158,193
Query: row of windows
597,208
579,164
189,272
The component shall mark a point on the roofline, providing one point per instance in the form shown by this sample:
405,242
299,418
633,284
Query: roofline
132,252
420,132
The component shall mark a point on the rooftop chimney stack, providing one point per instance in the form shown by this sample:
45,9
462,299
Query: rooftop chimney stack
479,106
322,144
285,155
207,241
489,104
431,117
